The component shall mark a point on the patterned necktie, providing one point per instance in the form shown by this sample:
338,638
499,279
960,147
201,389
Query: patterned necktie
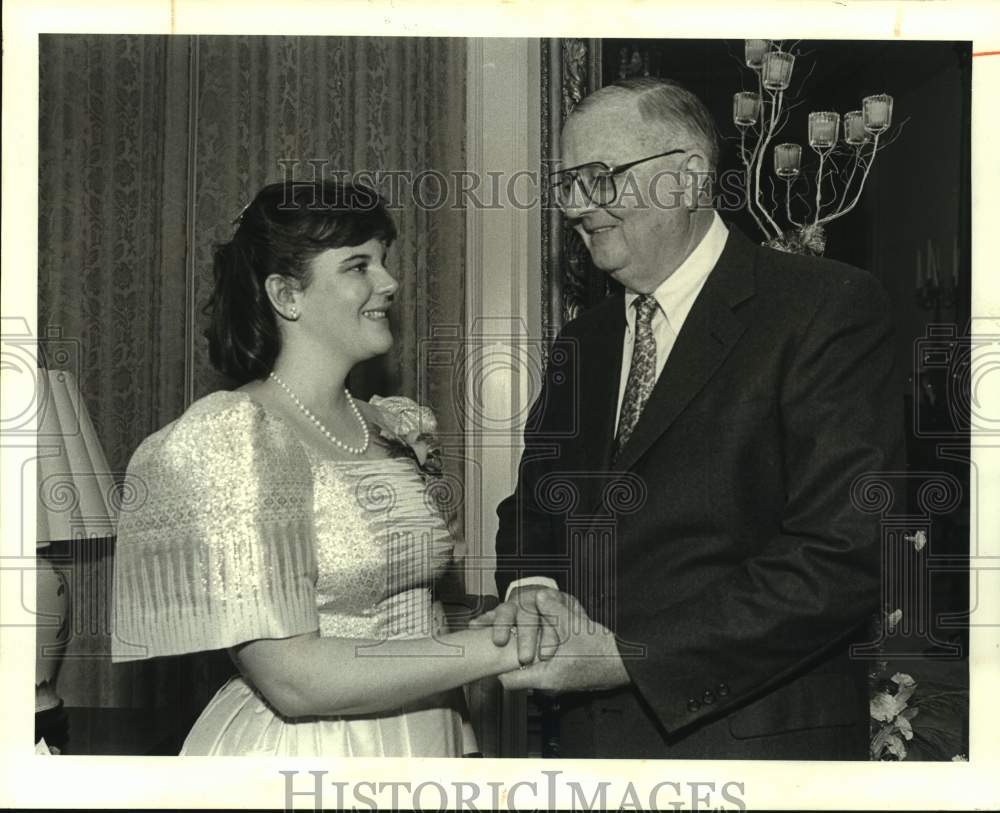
642,372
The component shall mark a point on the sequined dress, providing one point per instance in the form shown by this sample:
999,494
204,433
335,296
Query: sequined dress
235,530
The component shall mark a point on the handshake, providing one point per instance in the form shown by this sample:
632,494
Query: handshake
560,648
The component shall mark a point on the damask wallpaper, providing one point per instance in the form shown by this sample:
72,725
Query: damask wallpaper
149,147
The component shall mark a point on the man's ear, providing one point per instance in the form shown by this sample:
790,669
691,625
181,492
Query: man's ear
283,292
697,182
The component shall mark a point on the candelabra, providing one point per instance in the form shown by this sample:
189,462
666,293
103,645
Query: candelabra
933,294
857,137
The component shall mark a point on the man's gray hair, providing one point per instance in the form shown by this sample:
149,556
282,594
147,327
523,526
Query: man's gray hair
669,104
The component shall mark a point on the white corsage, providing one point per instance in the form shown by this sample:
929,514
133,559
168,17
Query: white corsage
406,423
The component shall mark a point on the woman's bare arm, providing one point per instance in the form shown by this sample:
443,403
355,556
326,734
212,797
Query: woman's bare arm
309,675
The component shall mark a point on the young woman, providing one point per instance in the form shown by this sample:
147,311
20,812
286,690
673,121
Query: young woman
274,524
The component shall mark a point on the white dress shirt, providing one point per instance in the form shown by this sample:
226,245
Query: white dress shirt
675,296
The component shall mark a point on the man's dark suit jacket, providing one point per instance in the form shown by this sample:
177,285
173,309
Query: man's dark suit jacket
729,546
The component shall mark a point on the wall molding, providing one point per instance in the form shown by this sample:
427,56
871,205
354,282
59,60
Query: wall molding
503,290
502,350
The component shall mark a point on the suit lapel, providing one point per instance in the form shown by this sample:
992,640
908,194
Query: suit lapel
599,375
707,337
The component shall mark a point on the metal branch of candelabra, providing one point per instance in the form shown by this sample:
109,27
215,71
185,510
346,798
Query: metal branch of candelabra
846,148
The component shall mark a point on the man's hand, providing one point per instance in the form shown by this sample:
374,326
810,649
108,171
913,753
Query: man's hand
586,657
535,637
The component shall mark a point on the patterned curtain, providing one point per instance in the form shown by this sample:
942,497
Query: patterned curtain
149,147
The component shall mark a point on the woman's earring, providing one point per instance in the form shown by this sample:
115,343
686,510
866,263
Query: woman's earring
293,313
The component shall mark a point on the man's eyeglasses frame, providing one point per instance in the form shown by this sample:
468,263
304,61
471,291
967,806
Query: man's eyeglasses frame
567,179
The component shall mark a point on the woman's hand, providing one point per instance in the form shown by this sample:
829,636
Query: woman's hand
588,656
519,619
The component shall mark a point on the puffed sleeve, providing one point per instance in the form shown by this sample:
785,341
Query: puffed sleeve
215,541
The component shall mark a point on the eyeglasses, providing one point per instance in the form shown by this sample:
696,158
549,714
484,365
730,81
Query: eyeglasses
596,179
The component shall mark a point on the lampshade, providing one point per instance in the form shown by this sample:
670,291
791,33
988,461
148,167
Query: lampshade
75,486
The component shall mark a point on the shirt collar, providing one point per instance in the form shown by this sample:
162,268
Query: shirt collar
676,294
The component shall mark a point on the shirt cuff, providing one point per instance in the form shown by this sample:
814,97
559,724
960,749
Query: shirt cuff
528,581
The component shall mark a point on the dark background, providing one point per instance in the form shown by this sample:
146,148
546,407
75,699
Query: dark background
919,185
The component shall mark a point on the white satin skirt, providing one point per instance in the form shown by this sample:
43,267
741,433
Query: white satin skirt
239,722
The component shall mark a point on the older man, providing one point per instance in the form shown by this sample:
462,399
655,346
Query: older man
683,522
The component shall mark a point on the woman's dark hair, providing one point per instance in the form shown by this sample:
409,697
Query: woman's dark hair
280,232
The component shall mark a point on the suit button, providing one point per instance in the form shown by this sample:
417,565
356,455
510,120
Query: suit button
722,689
708,698
693,705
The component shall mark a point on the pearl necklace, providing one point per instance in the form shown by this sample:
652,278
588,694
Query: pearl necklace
357,450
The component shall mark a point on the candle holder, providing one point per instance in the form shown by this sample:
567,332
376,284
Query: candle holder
877,113
776,70
787,161
754,53
855,133
824,127
746,108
